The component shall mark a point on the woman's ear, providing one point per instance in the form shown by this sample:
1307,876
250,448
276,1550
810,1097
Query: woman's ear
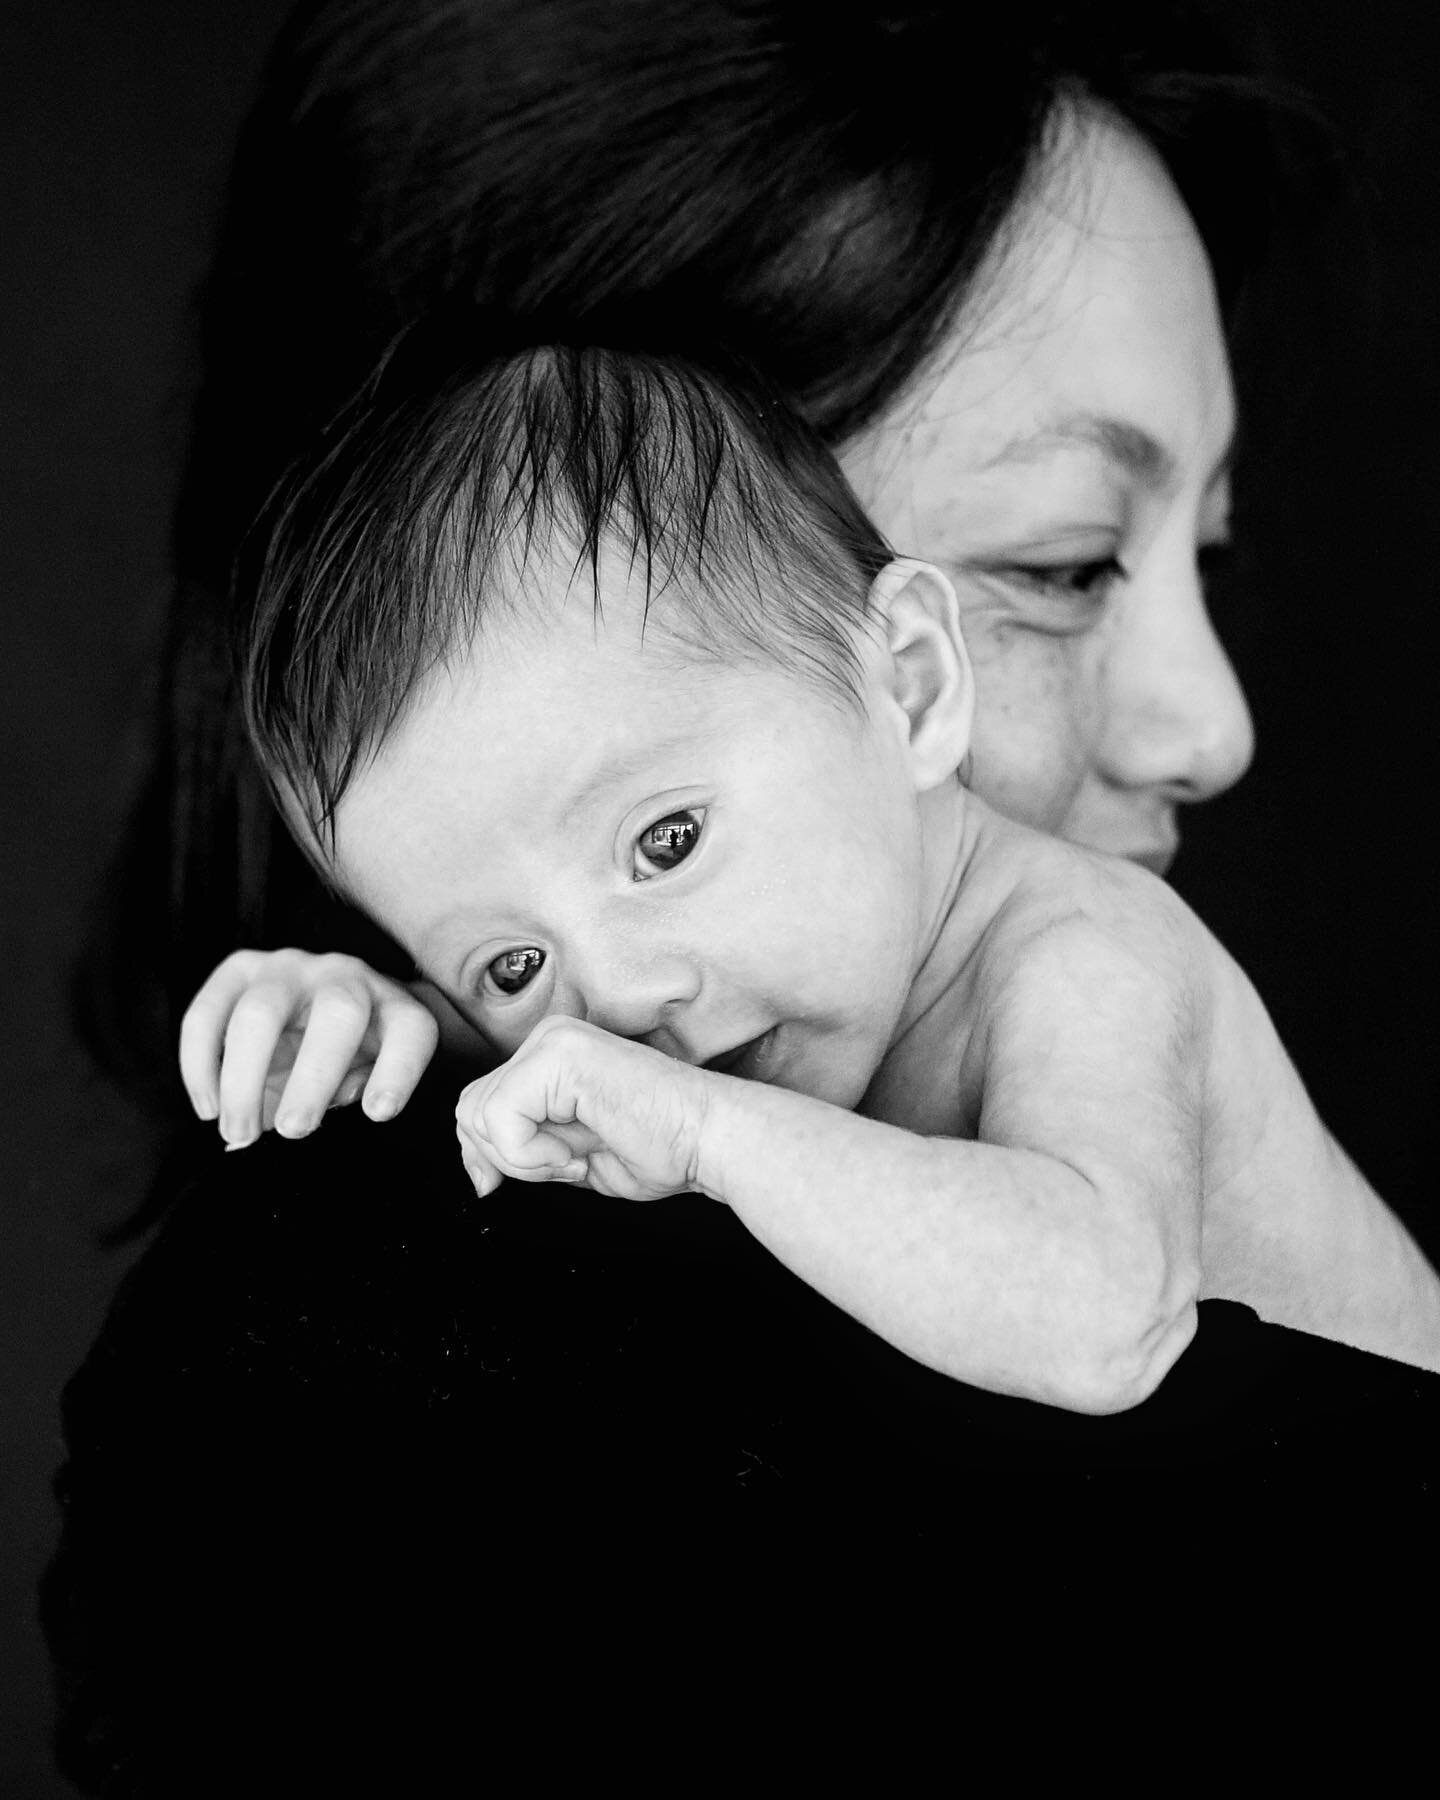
930,677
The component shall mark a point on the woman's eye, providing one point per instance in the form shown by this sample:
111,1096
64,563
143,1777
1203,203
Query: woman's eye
1082,580
513,970
666,843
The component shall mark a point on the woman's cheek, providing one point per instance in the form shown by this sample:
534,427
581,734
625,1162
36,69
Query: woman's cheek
1034,724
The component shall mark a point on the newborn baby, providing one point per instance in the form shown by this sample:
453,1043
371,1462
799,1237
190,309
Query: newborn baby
584,674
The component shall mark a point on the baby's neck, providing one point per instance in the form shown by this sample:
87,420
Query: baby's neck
966,882
969,876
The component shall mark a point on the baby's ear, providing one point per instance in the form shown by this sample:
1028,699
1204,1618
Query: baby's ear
931,680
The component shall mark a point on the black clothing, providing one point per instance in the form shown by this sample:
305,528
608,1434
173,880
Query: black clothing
357,1452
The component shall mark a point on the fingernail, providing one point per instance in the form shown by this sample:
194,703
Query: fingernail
206,1106
236,1136
294,1124
381,1106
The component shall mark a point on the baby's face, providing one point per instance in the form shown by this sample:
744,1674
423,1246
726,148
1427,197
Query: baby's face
720,861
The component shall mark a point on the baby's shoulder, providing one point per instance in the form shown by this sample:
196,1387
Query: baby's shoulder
1099,928
1062,895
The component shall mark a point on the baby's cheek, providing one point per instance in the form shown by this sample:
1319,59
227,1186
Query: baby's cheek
497,1038
1034,726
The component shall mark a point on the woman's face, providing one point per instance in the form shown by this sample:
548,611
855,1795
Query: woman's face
1066,463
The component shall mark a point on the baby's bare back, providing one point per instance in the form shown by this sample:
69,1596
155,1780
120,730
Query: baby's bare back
1291,1227
1285,1222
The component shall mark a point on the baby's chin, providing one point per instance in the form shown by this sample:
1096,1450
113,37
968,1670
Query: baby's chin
840,1075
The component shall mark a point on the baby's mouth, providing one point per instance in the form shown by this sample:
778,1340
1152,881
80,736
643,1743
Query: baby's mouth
743,1059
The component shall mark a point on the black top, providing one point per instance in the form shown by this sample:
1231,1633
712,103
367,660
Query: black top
353,1443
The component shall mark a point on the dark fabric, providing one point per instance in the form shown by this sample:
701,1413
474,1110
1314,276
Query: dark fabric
358,1460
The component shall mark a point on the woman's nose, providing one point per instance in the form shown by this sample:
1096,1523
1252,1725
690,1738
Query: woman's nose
1175,717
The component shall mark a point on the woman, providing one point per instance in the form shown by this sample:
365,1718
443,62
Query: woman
337,1403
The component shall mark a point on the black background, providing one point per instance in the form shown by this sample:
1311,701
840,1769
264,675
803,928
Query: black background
117,119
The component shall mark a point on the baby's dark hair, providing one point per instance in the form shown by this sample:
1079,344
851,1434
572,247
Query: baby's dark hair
432,496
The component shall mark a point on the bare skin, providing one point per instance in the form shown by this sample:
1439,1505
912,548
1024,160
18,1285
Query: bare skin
1003,1099
1065,460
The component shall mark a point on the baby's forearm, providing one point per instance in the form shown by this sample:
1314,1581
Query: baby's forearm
1001,1267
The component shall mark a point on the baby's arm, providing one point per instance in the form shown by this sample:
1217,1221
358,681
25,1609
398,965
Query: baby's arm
276,1037
1292,1228
1057,1257
1058,1260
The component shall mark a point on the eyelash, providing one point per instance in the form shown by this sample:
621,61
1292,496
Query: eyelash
524,952
1071,580
1092,580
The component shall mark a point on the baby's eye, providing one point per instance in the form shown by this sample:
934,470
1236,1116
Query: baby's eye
666,843
513,970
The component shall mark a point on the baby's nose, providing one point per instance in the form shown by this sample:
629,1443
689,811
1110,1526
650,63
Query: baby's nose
640,996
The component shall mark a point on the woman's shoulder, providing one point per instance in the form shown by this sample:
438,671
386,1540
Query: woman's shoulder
355,1274
339,1404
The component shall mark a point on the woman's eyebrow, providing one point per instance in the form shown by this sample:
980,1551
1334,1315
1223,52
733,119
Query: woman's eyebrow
1130,447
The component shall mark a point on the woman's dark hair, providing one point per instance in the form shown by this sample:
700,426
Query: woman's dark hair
811,187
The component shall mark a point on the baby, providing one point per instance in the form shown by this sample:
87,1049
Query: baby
584,674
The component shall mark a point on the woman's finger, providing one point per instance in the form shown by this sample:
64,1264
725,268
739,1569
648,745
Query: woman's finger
408,1038
335,1036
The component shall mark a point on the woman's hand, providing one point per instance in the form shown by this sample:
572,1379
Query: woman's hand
276,1037
576,1104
